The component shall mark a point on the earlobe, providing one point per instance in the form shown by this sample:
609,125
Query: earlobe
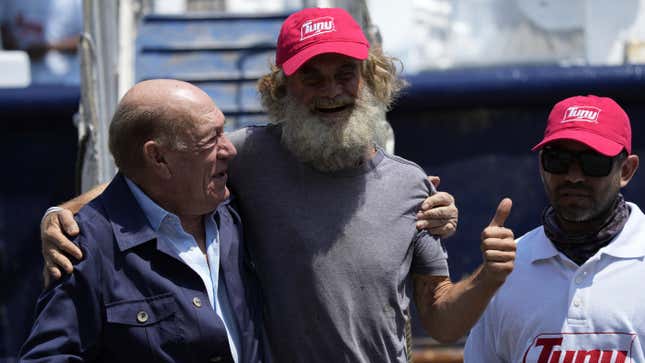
628,169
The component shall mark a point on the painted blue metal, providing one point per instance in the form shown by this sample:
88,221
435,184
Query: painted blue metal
519,85
204,65
165,32
224,54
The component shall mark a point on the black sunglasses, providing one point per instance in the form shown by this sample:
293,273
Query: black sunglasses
558,161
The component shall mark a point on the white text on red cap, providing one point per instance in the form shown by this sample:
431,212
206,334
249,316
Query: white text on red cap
317,26
581,113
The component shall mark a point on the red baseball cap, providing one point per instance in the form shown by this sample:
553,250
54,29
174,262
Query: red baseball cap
315,31
598,122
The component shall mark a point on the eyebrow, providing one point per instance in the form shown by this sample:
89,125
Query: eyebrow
308,70
349,65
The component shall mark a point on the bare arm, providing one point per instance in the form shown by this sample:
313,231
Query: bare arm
449,310
57,228
75,205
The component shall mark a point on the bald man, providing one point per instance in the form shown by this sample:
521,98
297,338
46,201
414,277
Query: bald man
162,278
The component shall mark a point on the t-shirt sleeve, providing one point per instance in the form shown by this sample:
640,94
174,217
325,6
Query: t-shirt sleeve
430,257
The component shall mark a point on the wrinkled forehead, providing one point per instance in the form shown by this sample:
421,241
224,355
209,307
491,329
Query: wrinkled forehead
197,118
206,119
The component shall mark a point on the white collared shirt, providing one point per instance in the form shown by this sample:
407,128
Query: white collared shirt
552,310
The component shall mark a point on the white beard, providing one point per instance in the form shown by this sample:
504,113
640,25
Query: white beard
331,146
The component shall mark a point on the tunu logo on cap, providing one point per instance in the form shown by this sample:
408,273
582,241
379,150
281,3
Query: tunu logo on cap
318,26
581,113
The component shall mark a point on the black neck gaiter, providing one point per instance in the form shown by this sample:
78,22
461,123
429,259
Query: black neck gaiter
579,247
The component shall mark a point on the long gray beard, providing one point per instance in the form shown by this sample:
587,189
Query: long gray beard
342,144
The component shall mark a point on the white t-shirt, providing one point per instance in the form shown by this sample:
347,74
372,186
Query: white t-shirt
38,21
552,311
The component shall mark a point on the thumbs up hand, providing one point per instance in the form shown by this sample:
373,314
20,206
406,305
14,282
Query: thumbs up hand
498,246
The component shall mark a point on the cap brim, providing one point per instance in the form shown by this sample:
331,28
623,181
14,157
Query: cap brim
350,49
599,143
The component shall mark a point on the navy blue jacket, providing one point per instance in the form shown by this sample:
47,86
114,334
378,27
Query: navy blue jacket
133,300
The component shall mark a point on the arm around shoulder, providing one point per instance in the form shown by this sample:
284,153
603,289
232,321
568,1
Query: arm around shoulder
56,229
75,205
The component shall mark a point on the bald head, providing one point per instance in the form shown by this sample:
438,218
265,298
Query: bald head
161,110
166,93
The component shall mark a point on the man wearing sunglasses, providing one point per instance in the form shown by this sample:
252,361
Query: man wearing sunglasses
572,296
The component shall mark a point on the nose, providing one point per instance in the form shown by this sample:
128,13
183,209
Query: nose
226,150
331,88
575,173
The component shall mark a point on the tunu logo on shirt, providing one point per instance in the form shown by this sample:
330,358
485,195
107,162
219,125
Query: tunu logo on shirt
581,348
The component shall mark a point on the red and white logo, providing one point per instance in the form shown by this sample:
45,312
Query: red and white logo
581,348
318,26
581,113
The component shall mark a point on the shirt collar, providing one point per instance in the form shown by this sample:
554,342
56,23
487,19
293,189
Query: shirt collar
153,212
544,249
628,243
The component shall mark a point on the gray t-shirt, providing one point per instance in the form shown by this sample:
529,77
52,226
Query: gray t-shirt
334,251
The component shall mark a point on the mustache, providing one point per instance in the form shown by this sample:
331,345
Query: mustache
333,102
574,186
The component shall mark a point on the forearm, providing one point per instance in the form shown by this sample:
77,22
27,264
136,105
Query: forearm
74,205
448,311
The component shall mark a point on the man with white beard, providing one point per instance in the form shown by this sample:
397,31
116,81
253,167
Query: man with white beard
329,218
327,141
